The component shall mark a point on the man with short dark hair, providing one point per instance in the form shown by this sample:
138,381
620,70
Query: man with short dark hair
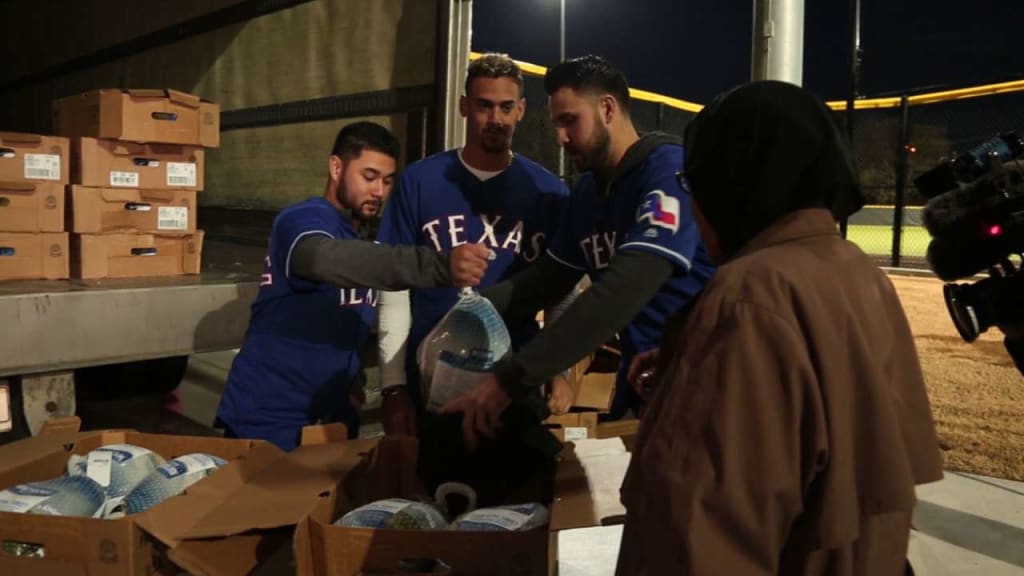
482,192
628,227
301,362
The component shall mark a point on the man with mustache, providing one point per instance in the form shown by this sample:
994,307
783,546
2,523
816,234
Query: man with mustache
482,192
628,227
301,361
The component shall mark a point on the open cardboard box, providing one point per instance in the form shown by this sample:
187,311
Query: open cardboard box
236,527
593,383
226,524
74,545
389,471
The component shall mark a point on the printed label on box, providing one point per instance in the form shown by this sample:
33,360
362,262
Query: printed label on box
42,166
573,434
124,179
172,218
181,174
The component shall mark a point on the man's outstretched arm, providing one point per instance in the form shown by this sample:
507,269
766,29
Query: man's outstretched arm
598,313
349,263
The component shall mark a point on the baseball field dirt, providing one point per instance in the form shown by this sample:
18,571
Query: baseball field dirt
977,394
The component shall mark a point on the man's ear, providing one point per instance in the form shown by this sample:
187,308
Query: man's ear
463,106
609,108
335,166
520,109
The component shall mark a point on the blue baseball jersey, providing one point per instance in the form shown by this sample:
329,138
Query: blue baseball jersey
648,212
439,203
303,348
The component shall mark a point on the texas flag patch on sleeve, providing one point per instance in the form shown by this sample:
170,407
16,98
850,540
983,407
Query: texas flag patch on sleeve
659,209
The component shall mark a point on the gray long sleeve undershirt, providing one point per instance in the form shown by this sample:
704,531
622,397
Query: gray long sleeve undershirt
630,281
349,263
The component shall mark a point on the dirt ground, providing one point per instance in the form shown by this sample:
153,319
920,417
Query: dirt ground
977,394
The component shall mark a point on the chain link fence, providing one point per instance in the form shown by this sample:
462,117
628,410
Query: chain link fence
891,139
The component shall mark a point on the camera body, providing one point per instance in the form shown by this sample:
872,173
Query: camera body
975,215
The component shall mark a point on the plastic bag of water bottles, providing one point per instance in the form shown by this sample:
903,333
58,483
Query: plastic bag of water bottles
464,344
64,496
169,480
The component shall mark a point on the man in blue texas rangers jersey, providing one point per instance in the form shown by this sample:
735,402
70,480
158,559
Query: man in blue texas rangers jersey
482,192
628,226
301,360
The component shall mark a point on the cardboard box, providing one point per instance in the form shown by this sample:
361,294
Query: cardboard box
34,158
33,256
573,426
114,164
105,210
135,255
594,381
148,116
117,547
323,549
31,207
624,429
237,522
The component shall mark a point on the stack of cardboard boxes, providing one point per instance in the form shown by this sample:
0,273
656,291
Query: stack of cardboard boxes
33,172
137,162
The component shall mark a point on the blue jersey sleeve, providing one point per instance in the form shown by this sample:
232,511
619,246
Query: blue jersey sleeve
663,223
398,225
294,225
564,246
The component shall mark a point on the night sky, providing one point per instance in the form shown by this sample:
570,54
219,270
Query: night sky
694,49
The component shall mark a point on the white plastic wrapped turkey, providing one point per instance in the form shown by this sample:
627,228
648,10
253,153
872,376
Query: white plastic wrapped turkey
465,343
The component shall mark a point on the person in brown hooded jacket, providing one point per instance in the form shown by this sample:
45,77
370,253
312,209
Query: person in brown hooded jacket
789,421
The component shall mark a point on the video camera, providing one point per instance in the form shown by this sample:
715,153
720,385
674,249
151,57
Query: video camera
975,215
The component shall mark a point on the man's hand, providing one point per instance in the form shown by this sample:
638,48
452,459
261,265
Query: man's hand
641,372
399,413
468,263
562,395
481,410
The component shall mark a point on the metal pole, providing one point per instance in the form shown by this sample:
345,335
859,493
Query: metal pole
855,61
902,167
561,58
778,43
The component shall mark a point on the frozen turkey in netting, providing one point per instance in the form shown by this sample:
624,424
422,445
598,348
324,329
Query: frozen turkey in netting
169,480
117,467
514,518
395,514
64,496
465,343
